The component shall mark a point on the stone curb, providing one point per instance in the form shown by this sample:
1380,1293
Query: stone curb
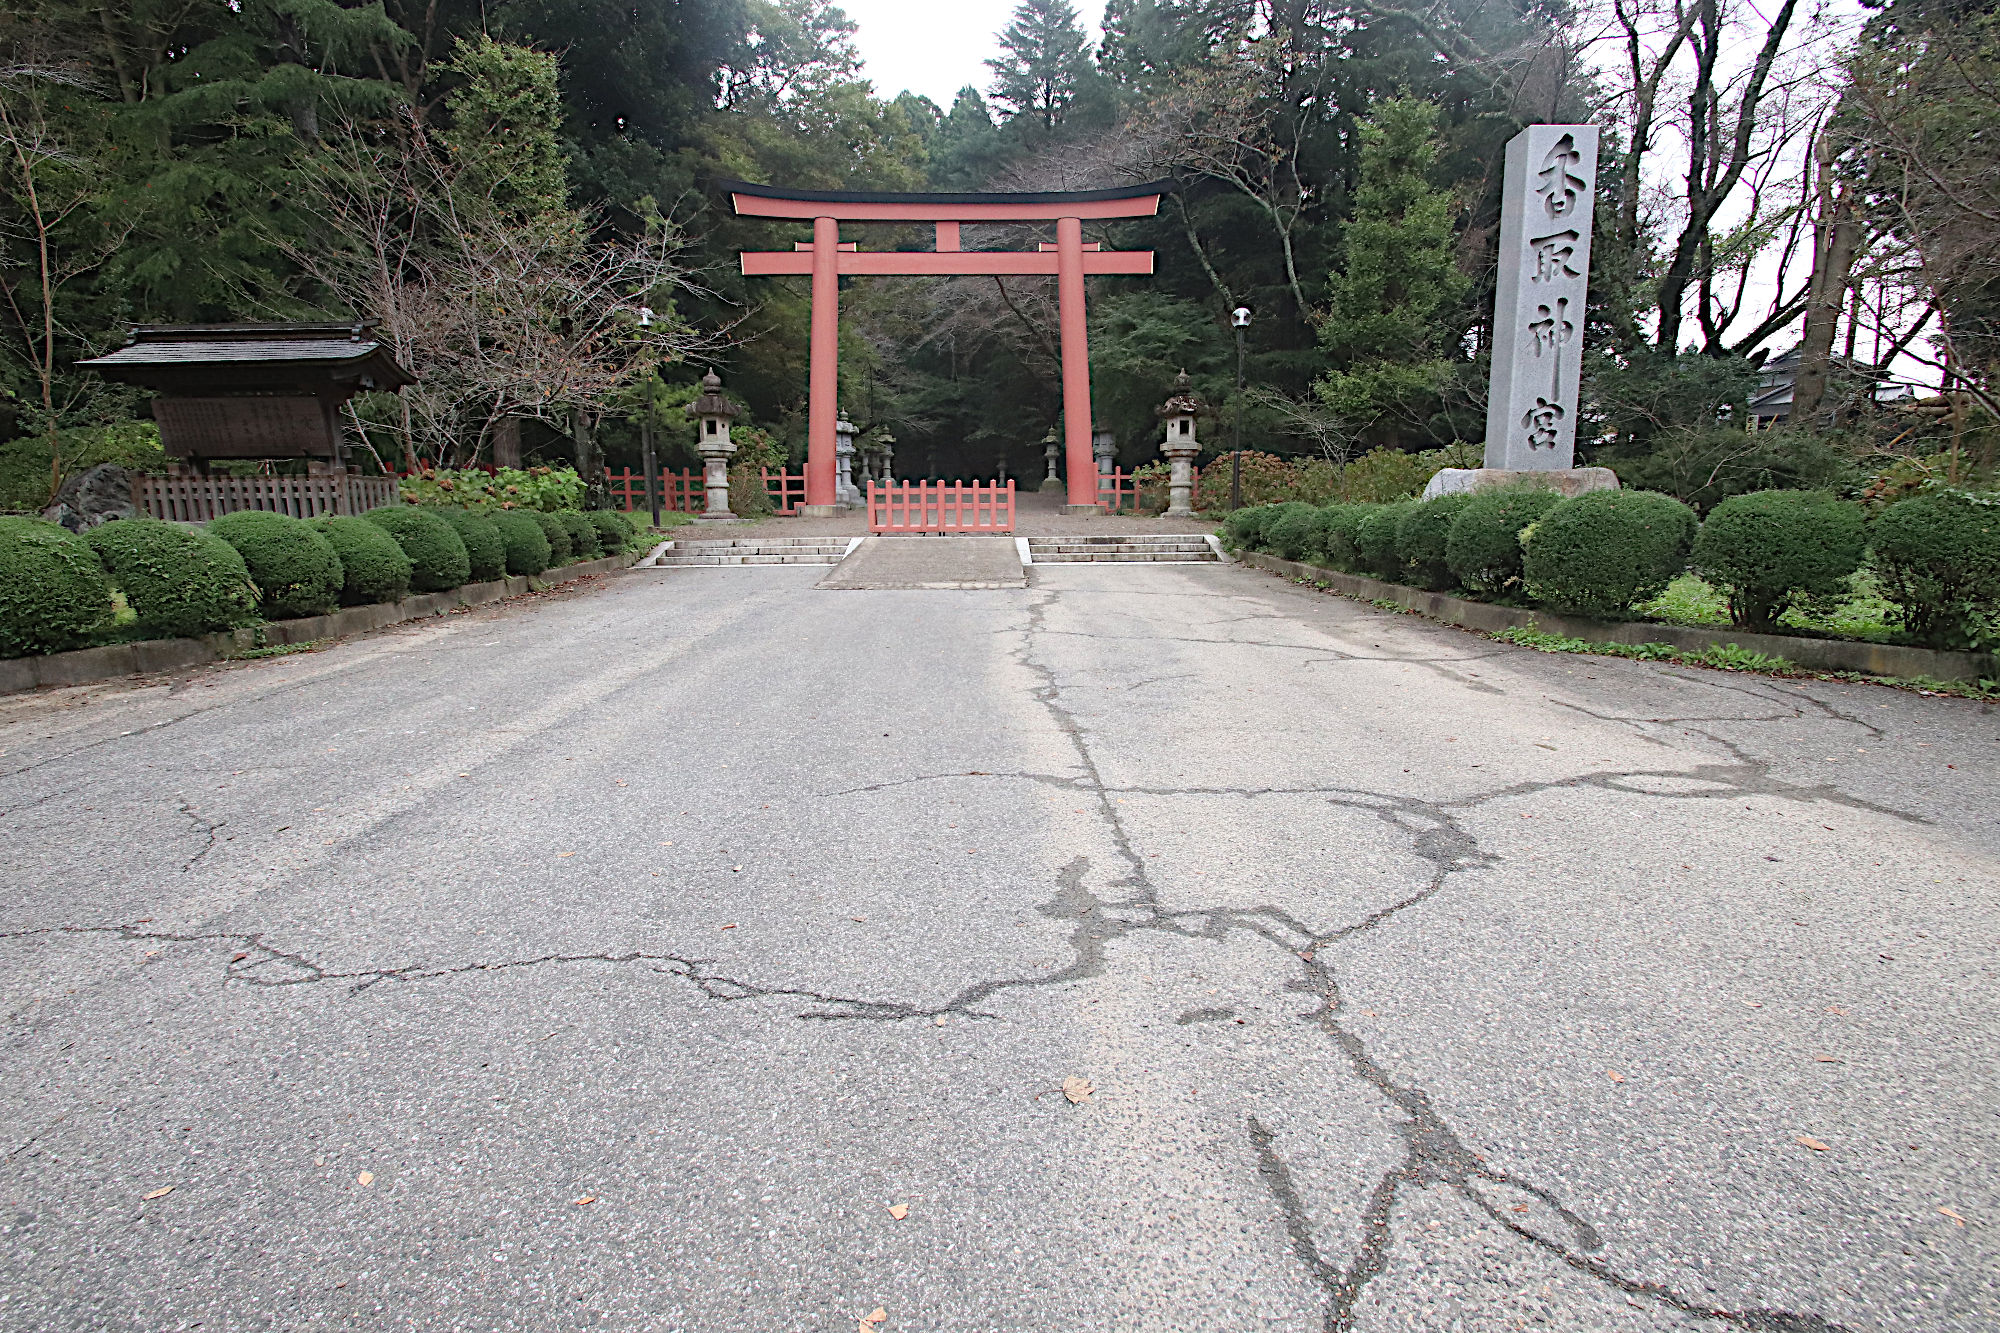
1871,659
86,665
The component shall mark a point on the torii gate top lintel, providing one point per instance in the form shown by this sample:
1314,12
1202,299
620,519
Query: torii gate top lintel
827,261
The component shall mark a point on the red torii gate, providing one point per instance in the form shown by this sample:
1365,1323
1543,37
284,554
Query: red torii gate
826,258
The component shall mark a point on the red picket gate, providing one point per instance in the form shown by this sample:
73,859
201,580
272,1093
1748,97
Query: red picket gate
984,507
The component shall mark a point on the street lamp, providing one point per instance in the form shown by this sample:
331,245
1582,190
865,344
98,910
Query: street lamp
654,482
1240,319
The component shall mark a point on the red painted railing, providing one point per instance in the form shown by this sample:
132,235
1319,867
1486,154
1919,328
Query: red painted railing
1119,490
941,506
681,492
786,489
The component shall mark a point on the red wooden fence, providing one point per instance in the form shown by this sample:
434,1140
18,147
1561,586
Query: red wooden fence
1121,490
196,499
941,506
684,492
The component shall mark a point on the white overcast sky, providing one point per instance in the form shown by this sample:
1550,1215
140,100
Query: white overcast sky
935,47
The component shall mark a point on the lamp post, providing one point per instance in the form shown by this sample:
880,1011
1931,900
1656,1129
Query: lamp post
647,462
1239,318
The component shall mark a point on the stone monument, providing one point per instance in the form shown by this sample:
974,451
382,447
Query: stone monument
712,414
1546,205
1181,445
844,491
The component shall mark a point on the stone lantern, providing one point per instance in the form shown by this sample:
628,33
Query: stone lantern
844,492
1050,452
712,414
1181,446
1104,447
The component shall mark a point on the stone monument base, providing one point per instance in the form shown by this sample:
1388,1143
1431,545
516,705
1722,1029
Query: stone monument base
818,511
1082,511
1565,482
717,518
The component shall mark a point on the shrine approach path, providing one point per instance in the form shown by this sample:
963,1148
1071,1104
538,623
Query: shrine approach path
1145,948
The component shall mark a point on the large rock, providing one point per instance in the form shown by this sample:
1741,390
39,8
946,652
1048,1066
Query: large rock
93,496
1563,481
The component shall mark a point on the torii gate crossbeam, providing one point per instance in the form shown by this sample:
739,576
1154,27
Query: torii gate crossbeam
827,260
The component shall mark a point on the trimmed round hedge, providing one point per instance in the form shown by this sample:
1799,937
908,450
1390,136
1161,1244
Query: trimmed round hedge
1937,555
1375,539
1339,528
178,581
438,560
375,568
1601,553
1484,547
614,530
1292,532
1421,534
296,570
1245,525
1771,550
483,547
527,545
561,549
583,543
53,593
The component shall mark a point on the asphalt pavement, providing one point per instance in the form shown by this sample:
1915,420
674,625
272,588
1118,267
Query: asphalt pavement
1145,948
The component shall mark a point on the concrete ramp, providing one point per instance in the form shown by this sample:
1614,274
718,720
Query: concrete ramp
931,562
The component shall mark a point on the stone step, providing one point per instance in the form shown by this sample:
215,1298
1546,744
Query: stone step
1196,545
1128,557
671,561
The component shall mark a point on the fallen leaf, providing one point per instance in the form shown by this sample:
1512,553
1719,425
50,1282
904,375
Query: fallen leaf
874,1317
1827,1059
561,855
1077,1089
940,1020
1755,1004
735,869
730,926
1835,1009
1813,1143
239,957
1520,1207
899,1211
588,1198
1953,1214
1614,1076
160,1193
365,1178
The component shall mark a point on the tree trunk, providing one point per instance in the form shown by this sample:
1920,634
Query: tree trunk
507,442
583,429
1836,238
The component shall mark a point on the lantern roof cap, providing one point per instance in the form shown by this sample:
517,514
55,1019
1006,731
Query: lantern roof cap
1183,401
712,403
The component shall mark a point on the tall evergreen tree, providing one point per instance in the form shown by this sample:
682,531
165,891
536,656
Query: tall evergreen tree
1387,325
1045,65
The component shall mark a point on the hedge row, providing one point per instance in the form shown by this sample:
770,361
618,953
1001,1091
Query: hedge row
1936,556
56,587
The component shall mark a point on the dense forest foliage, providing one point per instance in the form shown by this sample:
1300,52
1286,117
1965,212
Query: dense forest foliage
523,193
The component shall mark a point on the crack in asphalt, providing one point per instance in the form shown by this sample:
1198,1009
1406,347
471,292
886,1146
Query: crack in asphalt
208,829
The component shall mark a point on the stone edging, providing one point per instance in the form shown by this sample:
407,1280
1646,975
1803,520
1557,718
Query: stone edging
85,665
1871,659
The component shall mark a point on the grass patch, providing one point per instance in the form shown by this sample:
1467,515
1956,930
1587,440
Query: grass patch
277,650
1691,600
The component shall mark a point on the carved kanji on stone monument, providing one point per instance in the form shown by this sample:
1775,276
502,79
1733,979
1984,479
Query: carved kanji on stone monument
1545,214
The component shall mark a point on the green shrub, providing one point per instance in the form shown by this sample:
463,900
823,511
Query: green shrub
527,545
296,570
438,559
374,566
583,543
1937,557
1246,524
561,551
1291,530
1375,539
178,581
1484,547
474,488
614,530
484,550
53,593
1772,550
1421,534
1339,527
1599,553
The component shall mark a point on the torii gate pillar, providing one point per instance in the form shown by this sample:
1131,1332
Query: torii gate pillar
827,260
